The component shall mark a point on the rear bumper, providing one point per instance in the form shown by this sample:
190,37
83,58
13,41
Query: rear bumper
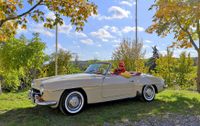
37,99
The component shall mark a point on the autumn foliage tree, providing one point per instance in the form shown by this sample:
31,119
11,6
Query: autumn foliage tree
132,54
182,18
11,18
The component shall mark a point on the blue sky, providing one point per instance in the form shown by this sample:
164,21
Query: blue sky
103,32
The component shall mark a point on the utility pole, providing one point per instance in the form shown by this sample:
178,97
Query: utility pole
56,56
136,22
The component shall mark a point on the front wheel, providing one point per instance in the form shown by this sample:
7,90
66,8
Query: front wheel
148,93
72,102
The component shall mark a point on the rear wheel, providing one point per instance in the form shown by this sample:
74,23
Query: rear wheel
148,93
72,102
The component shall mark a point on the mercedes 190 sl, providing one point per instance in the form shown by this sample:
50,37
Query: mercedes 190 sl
70,93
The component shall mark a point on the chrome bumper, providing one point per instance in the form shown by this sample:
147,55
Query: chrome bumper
36,98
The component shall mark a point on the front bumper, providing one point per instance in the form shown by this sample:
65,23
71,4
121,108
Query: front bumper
35,96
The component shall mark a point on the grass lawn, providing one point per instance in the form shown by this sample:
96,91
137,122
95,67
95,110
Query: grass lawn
16,109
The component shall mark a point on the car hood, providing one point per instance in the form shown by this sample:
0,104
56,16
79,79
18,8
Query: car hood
59,78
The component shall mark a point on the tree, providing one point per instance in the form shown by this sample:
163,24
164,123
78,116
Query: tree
177,72
183,19
0,84
64,62
10,18
19,61
165,68
131,53
183,70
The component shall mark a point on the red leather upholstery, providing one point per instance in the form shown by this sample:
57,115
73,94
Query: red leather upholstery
121,68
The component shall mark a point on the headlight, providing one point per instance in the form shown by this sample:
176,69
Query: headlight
41,88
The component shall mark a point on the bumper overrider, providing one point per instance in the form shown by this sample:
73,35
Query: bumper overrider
36,97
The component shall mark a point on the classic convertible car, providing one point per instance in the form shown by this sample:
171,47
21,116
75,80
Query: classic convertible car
70,93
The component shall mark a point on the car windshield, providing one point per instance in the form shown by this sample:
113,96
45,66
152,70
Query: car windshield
98,68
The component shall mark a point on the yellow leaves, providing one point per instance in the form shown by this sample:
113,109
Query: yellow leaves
181,36
3,37
152,28
2,15
20,5
7,30
77,10
23,26
174,44
178,17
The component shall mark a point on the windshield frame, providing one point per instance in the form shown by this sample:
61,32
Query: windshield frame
107,70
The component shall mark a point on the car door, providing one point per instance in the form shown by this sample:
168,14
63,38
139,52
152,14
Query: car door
116,86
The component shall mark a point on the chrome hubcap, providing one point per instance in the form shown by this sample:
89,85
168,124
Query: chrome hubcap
149,93
74,102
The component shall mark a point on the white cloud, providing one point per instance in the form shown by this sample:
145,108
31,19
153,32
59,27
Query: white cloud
105,40
115,45
102,34
146,46
99,45
97,53
132,29
80,34
65,29
127,3
50,15
111,28
60,47
77,46
117,13
117,41
87,41
147,41
41,29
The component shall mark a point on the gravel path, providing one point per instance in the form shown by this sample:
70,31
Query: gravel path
164,120
170,120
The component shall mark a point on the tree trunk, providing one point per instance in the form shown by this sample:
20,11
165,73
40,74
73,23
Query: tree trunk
198,73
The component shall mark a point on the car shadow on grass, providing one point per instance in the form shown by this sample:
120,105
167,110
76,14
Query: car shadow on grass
98,114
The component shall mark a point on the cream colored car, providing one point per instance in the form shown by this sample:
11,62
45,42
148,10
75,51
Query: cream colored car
70,93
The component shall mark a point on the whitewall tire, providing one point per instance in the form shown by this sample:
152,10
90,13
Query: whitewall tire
148,93
72,102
